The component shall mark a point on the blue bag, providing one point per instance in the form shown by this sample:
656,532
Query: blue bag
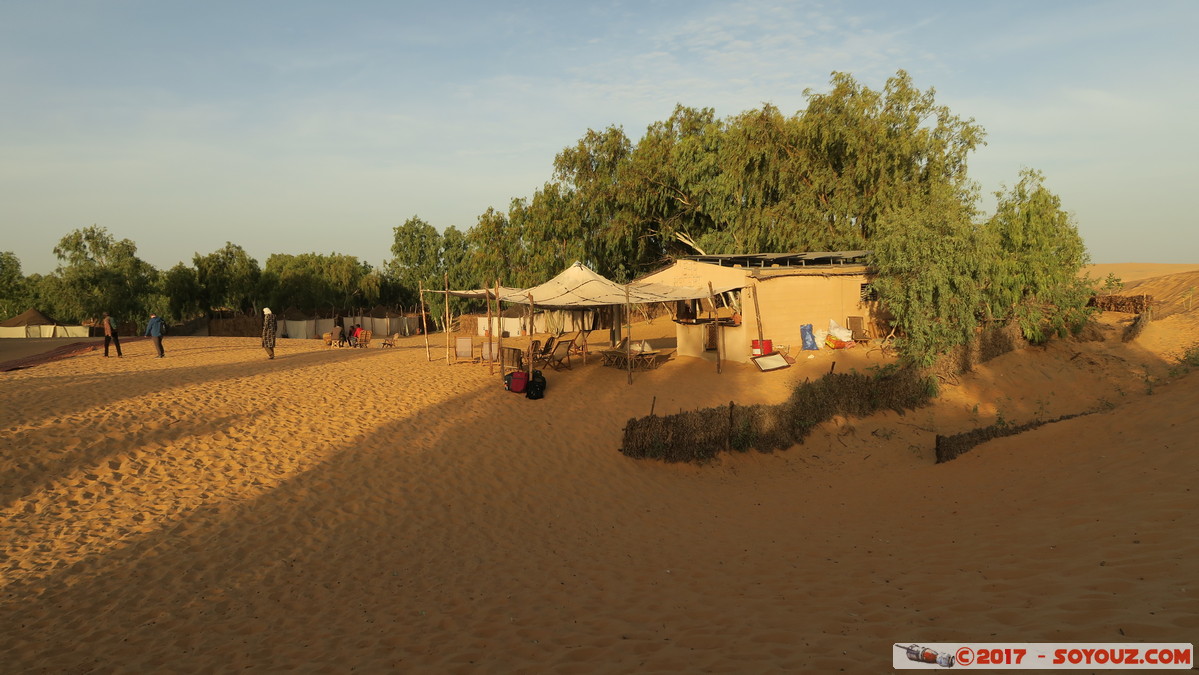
809,339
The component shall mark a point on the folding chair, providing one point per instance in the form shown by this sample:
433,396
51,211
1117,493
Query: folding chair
560,357
464,349
541,356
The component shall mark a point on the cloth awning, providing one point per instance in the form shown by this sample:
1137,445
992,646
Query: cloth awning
579,287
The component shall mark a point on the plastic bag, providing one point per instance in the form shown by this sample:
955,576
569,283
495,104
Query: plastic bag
809,339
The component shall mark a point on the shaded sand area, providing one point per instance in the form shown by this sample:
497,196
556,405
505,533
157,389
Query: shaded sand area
334,510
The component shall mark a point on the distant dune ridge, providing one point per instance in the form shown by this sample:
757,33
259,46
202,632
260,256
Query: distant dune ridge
370,509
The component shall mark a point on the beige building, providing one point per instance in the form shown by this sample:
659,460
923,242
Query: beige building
791,290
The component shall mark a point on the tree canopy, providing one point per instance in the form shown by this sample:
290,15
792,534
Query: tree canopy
881,170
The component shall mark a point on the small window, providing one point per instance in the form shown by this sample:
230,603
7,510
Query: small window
868,293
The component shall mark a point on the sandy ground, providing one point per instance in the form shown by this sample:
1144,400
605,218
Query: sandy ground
370,510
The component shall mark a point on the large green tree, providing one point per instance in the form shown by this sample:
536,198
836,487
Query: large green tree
13,293
416,257
100,273
931,260
227,278
1039,255
318,282
185,297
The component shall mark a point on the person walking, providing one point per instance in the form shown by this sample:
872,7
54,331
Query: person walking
270,327
155,329
110,334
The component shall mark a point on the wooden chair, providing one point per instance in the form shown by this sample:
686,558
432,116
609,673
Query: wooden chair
660,358
391,341
617,355
857,326
580,344
511,358
364,339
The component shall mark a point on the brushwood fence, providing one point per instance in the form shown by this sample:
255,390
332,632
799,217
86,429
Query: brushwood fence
1130,304
699,435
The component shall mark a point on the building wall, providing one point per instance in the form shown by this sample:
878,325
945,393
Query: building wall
786,300
789,302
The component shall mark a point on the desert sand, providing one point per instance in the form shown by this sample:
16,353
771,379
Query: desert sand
372,510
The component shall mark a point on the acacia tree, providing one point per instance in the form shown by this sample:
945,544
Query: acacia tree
13,294
930,259
590,173
227,277
864,152
314,281
496,247
1036,277
669,173
102,274
185,297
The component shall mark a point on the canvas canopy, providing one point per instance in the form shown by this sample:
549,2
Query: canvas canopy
579,287
33,324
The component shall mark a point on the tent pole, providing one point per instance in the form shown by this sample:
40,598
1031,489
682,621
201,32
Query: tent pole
487,336
499,321
628,354
529,365
447,318
753,292
424,327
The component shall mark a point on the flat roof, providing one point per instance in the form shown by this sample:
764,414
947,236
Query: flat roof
784,260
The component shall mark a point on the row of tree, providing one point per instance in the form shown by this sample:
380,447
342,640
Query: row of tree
857,169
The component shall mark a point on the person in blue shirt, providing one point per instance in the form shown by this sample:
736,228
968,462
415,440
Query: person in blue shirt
154,329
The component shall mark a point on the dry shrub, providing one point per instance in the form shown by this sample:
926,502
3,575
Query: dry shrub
1129,304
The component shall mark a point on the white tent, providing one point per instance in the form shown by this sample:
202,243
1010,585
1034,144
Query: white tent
577,286
34,324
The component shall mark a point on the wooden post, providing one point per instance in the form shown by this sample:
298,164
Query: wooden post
499,329
529,365
753,292
424,327
628,315
715,322
487,335
447,318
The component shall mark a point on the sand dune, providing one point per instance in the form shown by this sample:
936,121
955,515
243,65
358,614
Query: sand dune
1130,272
372,510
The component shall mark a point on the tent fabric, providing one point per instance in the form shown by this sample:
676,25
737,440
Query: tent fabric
30,317
578,286
302,330
33,324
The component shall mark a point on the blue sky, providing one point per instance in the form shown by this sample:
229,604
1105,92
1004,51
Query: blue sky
299,126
